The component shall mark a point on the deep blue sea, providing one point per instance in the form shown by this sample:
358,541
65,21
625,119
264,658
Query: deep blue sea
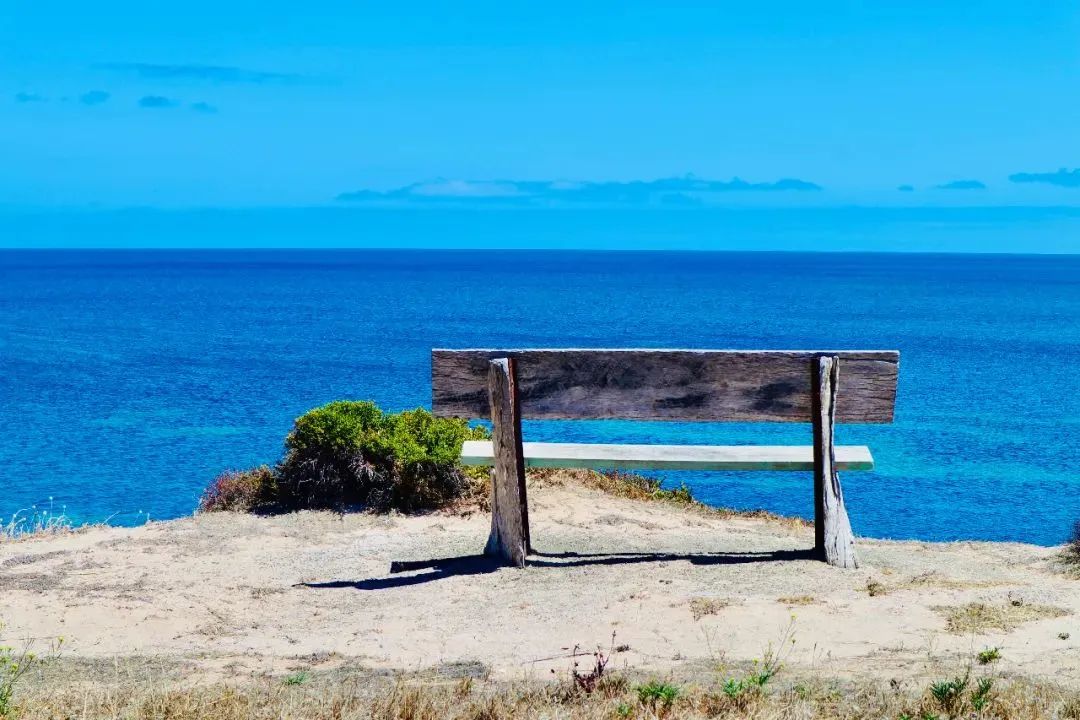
128,379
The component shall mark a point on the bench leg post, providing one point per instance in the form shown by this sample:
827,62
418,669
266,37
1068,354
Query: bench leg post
833,540
509,539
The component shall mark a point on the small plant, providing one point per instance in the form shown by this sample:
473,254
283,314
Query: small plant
297,678
14,664
949,693
588,682
624,710
875,588
239,490
741,691
980,696
1063,636
34,520
989,655
658,694
735,688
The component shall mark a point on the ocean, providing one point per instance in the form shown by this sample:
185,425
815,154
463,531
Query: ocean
129,378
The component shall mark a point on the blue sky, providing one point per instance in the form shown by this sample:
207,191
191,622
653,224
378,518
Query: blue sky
269,104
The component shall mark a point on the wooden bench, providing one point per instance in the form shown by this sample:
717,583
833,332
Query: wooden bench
688,385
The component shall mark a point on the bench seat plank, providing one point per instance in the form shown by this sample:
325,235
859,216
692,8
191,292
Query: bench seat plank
671,457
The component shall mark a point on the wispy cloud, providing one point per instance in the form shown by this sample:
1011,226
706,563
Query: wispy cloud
1061,178
157,102
29,97
94,97
962,185
906,188
686,190
204,73
204,107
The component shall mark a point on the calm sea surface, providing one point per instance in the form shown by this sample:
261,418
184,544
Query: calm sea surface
128,379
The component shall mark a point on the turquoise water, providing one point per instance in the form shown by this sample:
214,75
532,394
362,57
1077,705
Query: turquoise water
128,379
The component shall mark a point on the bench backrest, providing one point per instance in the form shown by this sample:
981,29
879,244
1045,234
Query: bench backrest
702,385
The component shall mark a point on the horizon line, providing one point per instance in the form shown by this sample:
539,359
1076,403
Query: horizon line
608,251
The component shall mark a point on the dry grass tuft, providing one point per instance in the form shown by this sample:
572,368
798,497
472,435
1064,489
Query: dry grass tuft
875,588
936,579
702,606
1070,555
979,617
932,579
638,487
34,522
793,600
620,484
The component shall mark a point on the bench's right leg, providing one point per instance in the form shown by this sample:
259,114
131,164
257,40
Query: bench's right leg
833,540
509,539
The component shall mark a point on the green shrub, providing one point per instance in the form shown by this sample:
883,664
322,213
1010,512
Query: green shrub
656,693
351,453
949,693
239,490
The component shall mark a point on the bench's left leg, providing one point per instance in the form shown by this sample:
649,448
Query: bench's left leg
833,540
509,539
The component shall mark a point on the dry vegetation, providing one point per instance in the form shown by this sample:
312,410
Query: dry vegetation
340,696
632,486
797,600
1070,555
702,606
980,617
701,574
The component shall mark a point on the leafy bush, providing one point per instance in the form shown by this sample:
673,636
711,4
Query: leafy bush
655,693
352,453
239,490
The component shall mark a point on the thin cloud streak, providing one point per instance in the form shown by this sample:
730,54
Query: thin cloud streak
962,185
204,73
1061,178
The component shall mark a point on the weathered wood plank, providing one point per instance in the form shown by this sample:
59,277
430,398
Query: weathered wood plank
833,539
670,457
509,538
707,385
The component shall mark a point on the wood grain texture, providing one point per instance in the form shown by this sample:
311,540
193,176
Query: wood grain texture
669,457
833,539
704,385
509,538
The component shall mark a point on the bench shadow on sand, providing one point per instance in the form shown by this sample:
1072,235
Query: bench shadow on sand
440,568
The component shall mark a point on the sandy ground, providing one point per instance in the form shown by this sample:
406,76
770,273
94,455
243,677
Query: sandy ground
679,588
